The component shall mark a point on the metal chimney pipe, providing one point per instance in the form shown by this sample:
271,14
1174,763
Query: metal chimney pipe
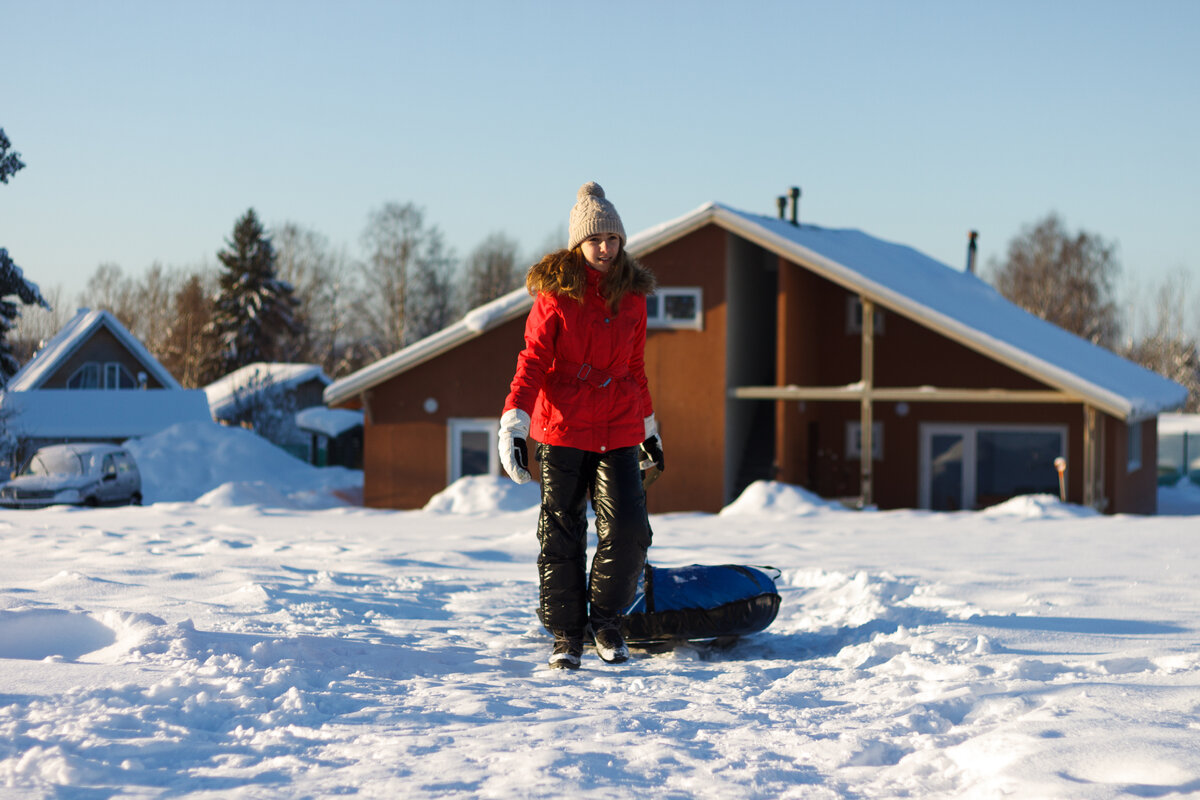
971,248
781,201
796,206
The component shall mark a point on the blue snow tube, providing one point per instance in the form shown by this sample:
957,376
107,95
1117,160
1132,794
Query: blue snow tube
701,602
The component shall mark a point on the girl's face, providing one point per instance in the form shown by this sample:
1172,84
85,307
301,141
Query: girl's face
601,250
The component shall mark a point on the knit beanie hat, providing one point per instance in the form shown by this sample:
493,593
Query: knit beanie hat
592,214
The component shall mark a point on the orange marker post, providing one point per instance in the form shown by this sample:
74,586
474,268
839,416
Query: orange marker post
1060,464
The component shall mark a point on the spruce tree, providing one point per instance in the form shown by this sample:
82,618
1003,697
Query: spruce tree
13,282
253,311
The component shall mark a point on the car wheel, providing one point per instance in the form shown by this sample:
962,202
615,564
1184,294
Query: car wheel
135,499
91,502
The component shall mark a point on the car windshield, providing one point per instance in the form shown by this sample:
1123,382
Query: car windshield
54,462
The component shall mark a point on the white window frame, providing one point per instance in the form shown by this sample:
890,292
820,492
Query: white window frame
113,369
93,365
455,428
108,374
854,440
659,321
969,433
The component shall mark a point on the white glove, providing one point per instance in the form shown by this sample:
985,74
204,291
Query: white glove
514,452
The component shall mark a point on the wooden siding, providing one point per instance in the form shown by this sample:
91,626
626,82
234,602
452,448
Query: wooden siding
686,373
405,447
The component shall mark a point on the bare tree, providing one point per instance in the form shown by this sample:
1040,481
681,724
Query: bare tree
153,296
1063,278
111,290
38,324
491,271
318,274
1168,348
398,247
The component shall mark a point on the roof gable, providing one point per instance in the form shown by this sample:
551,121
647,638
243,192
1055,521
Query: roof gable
965,308
81,328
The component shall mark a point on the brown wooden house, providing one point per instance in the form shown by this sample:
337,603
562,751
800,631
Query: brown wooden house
783,351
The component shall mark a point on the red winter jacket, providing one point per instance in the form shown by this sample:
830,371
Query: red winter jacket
581,376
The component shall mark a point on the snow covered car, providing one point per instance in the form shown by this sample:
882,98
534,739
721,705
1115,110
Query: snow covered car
76,474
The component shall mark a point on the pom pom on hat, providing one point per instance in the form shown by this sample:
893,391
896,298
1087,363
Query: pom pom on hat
590,188
592,214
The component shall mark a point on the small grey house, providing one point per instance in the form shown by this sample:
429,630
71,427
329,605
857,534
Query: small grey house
94,382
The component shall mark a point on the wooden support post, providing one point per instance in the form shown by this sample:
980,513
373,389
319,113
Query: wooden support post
866,461
1093,459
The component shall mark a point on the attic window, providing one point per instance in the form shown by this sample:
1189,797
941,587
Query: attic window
94,375
676,307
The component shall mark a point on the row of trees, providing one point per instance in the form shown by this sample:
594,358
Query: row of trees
289,295
1070,278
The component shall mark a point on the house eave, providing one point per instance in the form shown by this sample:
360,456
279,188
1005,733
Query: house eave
476,323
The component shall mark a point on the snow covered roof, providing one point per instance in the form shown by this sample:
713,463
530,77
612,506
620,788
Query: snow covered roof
956,304
222,392
477,322
1179,423
100,413
73,335
332,422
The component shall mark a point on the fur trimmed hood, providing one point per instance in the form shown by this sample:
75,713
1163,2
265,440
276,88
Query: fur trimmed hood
564,272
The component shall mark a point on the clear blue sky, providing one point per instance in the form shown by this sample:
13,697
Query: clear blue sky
148,127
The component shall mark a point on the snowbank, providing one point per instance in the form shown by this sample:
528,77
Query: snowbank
772,497
1038,506
189,461
478,494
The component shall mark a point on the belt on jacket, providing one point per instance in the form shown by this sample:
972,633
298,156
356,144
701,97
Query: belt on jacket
585,372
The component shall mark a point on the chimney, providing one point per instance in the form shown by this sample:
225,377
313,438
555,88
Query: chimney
782,203
796,206
971,248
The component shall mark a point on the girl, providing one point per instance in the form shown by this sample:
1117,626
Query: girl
580,390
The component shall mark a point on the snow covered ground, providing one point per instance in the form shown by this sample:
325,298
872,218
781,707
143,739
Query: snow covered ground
261,639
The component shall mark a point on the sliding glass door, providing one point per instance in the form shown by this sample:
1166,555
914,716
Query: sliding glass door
974,466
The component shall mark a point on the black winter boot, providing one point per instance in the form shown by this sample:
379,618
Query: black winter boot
568,650
610,644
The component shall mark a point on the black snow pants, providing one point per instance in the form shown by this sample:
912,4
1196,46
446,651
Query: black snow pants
622,528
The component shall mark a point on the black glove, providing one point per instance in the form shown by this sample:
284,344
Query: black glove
651,453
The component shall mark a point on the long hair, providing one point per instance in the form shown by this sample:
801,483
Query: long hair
565,272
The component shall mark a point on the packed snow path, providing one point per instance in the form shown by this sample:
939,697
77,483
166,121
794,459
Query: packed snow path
207,650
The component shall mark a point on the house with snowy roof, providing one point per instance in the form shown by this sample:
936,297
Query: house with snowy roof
265,397
94,381
787,351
